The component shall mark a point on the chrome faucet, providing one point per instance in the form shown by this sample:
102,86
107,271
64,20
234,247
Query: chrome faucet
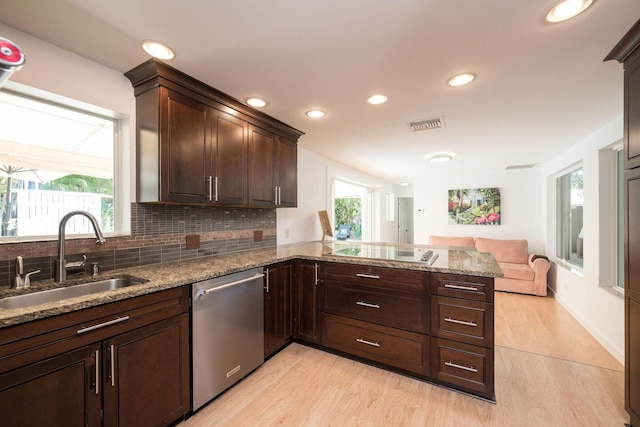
61,263
20,282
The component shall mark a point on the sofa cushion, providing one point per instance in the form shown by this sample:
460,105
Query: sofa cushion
466,242
514,251
512,270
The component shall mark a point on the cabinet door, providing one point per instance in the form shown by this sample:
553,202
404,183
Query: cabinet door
632,293
185,153
147,374
287,173
60,391
230,136
277,307
306,304
261,167
632,111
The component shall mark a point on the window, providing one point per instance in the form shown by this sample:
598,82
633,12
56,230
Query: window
352,209
54,159
569,231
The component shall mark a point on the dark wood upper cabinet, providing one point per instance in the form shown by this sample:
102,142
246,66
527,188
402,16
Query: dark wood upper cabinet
197,145
627,52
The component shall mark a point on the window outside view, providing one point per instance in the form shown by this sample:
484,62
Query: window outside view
570,243
53,160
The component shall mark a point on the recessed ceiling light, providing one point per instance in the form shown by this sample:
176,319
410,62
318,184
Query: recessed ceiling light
440,157
377,99
461,79
157,49
315,114
567,9
256,102
404,184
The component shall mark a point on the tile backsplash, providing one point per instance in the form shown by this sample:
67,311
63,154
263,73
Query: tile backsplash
158,236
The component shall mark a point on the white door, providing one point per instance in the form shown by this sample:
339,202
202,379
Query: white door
405,219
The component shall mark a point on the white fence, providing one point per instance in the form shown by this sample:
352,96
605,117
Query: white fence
39,211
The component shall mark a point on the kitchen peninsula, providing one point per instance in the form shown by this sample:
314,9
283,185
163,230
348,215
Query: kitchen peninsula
376,303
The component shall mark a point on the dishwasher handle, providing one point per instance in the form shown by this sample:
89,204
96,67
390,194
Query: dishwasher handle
203,292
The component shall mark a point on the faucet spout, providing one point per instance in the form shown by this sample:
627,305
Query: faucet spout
61,263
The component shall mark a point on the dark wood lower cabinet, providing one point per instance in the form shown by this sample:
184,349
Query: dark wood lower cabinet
435,326
307,306
59,391
278,319
120,364
147,376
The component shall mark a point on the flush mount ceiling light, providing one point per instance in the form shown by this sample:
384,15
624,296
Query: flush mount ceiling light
157,49
461,79
404,184
256,102
567,9
377,99
440,157
315,114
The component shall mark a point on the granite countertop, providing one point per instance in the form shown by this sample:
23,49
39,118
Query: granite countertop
159,277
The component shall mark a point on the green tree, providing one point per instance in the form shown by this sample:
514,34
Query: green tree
349,212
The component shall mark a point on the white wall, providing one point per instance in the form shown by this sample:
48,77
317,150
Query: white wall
60,72
314,194
597,308
520,194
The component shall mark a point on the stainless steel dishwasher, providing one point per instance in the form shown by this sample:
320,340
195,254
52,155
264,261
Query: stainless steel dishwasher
228,332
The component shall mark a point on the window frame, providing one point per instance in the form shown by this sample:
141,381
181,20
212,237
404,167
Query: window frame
562,218
121,158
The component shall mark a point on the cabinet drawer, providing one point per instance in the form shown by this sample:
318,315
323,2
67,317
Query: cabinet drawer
392,278
396,309
464,366
400,349
462,320
460,286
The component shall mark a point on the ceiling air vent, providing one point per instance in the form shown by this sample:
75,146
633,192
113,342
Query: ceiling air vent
515,167
419,125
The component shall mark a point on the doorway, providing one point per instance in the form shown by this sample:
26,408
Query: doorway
405,219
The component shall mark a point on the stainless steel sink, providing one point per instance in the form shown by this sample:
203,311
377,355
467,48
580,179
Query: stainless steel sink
58,294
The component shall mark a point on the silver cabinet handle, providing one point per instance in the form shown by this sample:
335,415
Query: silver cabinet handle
368,276
266,274
275,196
216,189
279,195
460,322
363,341
97,371
316,273
113,367
203,292
466,368
463,288
366,304
210,183
102,325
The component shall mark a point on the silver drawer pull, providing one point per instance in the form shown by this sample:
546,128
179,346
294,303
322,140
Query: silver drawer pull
366,304
463,288
466,368
363,341
102,325
368,276
460,322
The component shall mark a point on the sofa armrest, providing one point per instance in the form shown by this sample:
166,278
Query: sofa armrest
540,265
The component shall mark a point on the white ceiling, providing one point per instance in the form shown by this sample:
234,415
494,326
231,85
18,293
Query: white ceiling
540,87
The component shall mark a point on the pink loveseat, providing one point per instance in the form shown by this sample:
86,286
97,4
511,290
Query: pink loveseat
523,272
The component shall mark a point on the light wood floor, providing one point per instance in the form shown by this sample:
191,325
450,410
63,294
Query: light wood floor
549,372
